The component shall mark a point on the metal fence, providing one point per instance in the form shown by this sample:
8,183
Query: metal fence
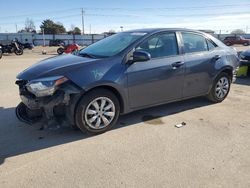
38,39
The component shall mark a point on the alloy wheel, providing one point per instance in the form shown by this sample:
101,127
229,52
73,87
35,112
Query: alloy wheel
99,113
222,87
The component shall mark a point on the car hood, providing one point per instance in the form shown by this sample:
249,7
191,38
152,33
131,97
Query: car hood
54,66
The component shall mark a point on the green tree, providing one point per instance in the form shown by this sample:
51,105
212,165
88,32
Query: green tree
51,27
77,31
74,30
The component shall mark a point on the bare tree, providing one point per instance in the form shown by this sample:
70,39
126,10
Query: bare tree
238,32
72,27
29,25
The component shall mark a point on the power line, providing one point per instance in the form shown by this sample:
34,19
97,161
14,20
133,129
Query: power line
40,20
39,13
204,14
135,15
167,8
130,9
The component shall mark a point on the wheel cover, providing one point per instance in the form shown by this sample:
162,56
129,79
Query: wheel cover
222,87
99,113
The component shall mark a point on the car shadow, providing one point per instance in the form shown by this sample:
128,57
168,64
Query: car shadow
153,115
18,138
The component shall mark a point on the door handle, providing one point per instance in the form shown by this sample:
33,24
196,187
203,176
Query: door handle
216,57
177,64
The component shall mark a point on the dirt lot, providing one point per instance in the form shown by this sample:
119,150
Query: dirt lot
144,150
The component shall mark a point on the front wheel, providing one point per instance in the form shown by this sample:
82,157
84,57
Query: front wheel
220,89
1,54
60,51
97,111
19,51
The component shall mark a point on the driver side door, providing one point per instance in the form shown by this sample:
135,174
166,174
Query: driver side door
160,79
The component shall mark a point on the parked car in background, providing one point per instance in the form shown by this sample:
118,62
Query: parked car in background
125,72
26,45
56,42
245,56
231,40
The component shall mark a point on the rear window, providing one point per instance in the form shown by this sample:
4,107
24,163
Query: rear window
194,43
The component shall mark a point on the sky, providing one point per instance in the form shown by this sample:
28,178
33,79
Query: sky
104,15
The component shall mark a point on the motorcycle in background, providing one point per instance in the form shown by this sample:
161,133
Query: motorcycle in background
13,47
68,49
26,45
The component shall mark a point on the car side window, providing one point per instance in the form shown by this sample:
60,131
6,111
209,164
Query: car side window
211,45
160,45
194,43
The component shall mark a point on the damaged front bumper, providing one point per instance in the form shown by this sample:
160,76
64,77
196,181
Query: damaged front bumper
60,105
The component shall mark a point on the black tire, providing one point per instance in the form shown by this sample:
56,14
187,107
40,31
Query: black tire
19,52
80,113
60,51
1,54
212,94
228,43
246,44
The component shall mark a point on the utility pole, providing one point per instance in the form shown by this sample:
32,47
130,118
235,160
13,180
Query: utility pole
43,38
82,21
89,28
16,28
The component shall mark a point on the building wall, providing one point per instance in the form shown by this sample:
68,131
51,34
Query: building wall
37,39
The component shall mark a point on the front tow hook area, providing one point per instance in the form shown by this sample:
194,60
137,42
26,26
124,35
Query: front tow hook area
22,114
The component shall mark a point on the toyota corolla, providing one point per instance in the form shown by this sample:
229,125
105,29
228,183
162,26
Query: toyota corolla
125,72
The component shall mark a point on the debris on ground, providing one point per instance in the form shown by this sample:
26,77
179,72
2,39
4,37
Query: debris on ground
180,125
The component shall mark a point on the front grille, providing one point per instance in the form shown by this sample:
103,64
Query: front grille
22,88
21,82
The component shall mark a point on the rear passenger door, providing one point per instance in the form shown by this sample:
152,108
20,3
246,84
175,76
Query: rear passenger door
200,55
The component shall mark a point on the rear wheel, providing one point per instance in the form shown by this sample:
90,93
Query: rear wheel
97,111
228,43
60,51
220,89
246,44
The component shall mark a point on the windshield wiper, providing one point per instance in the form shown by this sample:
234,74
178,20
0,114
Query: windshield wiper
87,55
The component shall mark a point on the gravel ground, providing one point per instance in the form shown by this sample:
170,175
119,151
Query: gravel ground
144,150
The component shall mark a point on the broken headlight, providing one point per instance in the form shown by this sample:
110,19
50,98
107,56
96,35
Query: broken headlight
45,86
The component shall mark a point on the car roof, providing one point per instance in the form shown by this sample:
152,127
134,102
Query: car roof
153,30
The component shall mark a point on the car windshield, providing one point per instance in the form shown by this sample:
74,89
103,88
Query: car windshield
111,45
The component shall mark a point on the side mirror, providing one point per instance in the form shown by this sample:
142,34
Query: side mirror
139,56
